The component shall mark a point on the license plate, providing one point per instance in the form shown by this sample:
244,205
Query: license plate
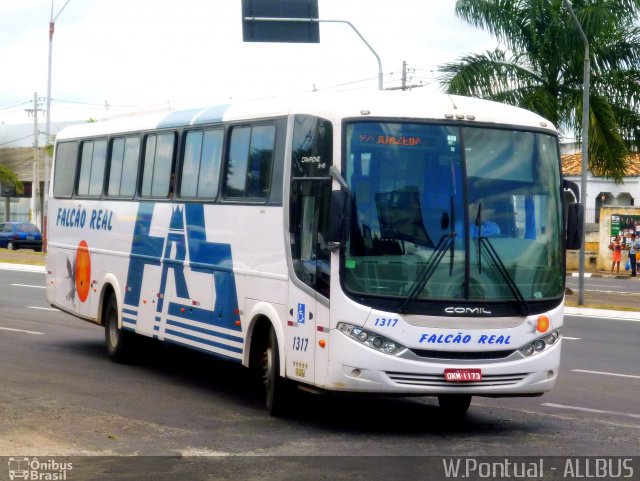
30,237
462,375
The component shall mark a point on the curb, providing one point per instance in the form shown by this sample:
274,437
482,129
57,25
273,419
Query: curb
588,312
603,274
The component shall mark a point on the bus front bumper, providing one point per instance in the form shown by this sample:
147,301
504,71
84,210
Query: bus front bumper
354,367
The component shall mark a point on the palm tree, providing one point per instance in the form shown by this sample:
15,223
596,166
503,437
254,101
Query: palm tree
9,177
539,66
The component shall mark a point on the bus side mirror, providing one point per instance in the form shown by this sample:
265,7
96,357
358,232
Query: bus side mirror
337,216
575,226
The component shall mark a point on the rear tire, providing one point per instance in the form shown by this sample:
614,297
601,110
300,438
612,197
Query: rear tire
277,388
454,405
120,343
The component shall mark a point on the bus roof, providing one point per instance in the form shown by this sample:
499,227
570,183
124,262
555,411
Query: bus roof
334,106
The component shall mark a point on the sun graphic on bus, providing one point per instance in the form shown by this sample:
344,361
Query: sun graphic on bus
83,271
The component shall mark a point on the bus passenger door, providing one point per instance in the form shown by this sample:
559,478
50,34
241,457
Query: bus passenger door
309,288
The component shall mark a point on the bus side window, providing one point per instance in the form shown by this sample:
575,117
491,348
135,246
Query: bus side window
65,169
201,163
123,169
158,162
92,163
248,172
309,225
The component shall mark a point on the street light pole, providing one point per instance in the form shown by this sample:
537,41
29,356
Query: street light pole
585,144
317,20
47,160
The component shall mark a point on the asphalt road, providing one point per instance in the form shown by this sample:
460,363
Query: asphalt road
60,395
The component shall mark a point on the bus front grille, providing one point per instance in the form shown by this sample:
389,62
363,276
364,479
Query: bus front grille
461,355
437,380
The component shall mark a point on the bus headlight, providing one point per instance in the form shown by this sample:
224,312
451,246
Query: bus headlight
370,339
540,344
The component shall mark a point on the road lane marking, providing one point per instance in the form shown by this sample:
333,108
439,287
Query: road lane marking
606,373
22,267
20,330
43,308
28,285
572,338
590,410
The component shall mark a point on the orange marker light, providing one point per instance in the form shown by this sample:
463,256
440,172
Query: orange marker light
543,324
322,343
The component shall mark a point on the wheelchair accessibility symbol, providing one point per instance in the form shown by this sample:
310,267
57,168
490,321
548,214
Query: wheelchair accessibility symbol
301,313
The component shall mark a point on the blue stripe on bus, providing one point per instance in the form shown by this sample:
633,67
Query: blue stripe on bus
191,313
219,317
219,355
211,115
129,311
156,328
178,119
129,321
205,331
171,332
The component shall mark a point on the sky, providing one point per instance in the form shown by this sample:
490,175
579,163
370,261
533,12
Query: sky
112,57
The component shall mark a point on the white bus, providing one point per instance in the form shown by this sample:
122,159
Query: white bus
387,242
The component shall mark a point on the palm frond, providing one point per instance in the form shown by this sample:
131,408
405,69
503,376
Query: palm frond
8,176
607,148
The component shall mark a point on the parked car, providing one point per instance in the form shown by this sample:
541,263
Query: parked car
14,235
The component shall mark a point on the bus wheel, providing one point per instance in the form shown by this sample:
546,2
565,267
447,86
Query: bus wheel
119,342
276,387
454,405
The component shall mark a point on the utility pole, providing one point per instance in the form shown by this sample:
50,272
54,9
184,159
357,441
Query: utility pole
404,85
585,145
36,218
47,160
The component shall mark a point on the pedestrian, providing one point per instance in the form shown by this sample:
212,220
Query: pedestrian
616,248
634,248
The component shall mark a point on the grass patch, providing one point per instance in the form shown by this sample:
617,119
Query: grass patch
23,256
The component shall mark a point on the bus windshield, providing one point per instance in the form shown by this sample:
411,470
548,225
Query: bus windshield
443,212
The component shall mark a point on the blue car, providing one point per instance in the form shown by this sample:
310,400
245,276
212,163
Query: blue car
14,235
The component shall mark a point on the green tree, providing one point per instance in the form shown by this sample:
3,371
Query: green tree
539,66
8,176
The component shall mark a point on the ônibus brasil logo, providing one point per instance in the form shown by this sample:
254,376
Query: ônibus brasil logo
34,469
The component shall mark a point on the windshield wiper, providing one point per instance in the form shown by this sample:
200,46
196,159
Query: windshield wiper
453,244
495,258
479,231
427,272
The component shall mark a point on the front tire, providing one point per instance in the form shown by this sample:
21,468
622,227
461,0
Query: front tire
454,405
120,343
277,388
